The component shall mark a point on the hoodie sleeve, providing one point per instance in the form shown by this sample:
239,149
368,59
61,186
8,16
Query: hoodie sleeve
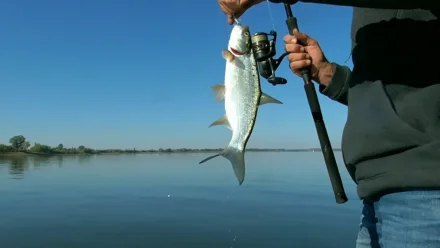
337,89
381,4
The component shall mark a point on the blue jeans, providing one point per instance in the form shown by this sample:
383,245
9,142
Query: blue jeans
401,220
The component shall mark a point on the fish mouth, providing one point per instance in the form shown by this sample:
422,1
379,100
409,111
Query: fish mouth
236,52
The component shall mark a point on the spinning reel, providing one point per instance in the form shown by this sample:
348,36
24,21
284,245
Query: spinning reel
264,52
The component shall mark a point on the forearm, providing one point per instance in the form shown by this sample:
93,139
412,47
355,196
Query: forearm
380,4
334,82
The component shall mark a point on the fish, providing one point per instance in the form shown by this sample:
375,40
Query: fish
242,95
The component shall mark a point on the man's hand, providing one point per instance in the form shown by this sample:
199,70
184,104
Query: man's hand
304,52
235,8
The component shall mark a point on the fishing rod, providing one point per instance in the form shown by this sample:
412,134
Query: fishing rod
264,51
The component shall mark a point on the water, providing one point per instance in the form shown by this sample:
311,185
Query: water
163,201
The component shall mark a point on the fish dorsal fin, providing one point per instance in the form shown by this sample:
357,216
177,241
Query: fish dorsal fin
222,121
265,99
219,91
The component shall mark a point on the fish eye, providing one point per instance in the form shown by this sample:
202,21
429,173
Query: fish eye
246,33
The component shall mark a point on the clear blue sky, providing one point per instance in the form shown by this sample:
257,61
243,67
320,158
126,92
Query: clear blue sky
137,73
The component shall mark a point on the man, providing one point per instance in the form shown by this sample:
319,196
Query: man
391,141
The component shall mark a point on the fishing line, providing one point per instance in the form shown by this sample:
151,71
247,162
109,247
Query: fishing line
349,56
237,21
271,15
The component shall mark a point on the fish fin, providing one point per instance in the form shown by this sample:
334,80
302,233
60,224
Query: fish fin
209,158
219,91
236,157
222,121
265,99
226,54
230,57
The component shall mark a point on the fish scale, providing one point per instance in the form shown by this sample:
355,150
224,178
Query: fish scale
242,96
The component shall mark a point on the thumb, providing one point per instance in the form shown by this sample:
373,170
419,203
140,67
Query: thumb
231,20
304,39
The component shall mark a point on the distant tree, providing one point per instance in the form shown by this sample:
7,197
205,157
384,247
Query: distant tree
19,143
88,150
41,148
60,147
81,148
26,145
6,148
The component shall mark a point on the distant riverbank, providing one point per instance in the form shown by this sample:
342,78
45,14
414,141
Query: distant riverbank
19,145
168,151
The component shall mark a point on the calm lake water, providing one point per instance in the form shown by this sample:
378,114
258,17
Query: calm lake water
164,201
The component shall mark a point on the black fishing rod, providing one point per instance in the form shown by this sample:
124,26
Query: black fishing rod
264,51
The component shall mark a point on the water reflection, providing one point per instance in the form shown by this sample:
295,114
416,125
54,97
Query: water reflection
18,164
113,200
83,158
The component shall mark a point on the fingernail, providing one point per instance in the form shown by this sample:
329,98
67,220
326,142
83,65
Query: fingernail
307,56
294,41
308,62
302,49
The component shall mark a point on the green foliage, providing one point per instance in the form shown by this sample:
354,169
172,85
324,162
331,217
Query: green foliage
88,150
39,148
26,145
19,143
6,148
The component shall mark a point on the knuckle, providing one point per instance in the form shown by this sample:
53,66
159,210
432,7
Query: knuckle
288,39
293,57
293,65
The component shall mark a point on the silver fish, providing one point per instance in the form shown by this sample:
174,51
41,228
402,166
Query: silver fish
242,95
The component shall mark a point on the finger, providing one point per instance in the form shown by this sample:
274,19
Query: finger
298,65
238,13
298,56
233,17
227,9
304,38
233,9
289,39
224,8
246,4
294,48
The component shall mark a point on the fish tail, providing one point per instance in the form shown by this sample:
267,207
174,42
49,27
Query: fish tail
236,157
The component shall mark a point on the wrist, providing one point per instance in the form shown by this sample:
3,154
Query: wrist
325,74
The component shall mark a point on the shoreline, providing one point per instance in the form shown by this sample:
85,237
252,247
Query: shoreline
165,151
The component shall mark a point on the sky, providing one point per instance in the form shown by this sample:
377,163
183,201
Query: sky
138,73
